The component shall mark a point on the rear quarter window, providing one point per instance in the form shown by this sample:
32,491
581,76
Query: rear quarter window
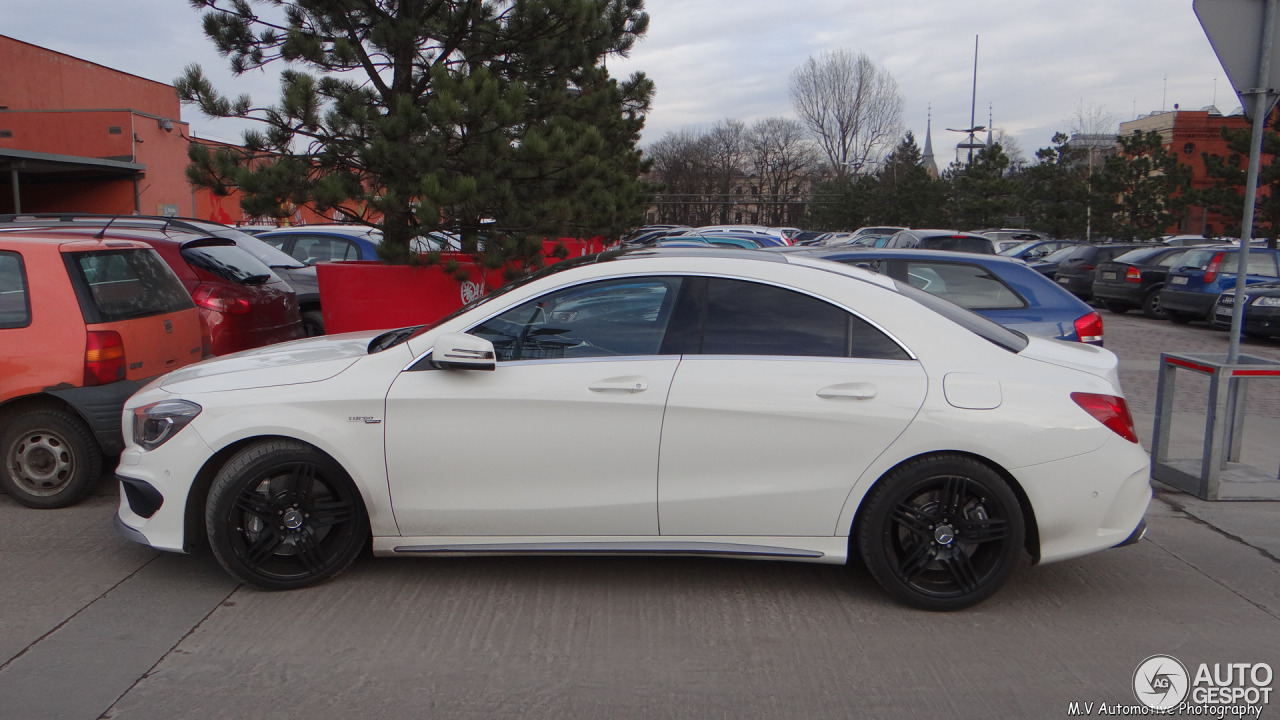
115,285
15,301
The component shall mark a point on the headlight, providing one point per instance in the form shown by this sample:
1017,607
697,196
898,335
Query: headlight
154,424
1266,301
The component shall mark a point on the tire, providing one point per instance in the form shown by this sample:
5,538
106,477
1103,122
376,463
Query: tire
50,459
1115,306
941,533
1177,317
1151,305
282,515
312,323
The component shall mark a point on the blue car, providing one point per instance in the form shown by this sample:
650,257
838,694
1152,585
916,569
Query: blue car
1204,273
1001,289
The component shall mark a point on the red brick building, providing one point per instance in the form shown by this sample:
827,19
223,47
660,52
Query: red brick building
76,136
1189,134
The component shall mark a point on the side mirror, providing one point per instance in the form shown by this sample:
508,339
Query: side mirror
460,351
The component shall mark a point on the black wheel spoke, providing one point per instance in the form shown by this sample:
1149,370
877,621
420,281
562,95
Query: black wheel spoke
254,503
913,520
974,531
953,497
300,481
310,553
262,548
920,557
324,514
962,572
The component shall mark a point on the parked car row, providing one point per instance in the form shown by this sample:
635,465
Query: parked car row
92,310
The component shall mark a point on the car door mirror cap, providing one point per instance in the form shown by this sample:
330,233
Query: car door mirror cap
460,351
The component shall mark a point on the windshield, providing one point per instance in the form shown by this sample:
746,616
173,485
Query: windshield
1139,255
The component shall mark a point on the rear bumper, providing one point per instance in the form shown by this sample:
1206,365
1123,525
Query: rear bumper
101,406
1137,534
1121,292
1196,303
1081,287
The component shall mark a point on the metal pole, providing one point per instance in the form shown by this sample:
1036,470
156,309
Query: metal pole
1261,108
973,100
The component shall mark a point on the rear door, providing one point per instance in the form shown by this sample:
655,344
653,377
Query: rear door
775,373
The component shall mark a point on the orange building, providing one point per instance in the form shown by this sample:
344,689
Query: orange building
1190,134
76,136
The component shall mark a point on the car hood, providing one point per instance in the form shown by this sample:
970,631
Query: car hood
291,363
1086,358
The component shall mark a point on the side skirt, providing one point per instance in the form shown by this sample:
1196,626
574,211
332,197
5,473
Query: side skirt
832,550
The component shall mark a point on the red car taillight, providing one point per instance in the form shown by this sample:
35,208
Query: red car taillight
1133,274
213,297
1109,410
1089,328
103,357
1211,271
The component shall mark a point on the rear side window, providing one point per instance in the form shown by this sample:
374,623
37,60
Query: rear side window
969,286
747,318
957,244
224,259
15,303
312,249
115,285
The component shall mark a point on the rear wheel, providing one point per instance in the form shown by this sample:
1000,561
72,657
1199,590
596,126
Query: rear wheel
312,323
1151,305
282,515
50,459
941,533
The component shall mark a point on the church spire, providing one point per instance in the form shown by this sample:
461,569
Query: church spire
926,160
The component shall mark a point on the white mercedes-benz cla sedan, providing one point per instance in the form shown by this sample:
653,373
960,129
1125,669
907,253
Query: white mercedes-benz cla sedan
720,403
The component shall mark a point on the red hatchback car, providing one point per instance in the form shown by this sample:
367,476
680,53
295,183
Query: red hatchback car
242,303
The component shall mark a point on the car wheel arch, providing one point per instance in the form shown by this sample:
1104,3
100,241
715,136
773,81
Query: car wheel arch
1032,532
195,536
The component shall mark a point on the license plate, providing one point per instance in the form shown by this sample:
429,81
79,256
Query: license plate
1109,276
1178,280
1227,300
1063,280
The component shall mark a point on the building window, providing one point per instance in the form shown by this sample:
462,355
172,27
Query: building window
6,133
114,130
1188,149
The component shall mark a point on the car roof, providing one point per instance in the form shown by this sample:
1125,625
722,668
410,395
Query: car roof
59,237
908,253
337,229
177,236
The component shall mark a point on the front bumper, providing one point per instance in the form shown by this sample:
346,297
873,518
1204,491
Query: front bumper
1257,320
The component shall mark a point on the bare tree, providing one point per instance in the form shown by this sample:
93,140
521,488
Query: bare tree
782,159
682,161
727,152
852,106
1012,148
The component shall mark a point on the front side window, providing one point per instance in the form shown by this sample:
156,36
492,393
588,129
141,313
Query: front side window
627,316
15,304
969,286
312,249
748,318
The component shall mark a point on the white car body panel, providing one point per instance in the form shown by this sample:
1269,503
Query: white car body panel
425,447
724,429
575,448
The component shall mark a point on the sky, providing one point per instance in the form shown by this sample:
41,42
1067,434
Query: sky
1039,63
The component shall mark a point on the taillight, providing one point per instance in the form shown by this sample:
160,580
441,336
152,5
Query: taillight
214,297
1211,271
103,357
1133,274
1087,268
1089,328
1109,410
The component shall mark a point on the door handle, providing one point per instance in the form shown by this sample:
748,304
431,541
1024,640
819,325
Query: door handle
631,384
848,391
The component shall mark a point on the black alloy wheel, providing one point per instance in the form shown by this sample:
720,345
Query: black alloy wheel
282,515
941,532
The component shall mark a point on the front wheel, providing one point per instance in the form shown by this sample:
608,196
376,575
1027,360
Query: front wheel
941,533
282,515
50,459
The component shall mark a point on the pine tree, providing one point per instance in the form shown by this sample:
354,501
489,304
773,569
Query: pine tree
1056,189
1141,190
982,193
494,119
1226,195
